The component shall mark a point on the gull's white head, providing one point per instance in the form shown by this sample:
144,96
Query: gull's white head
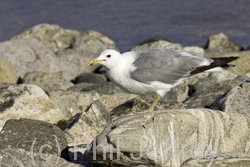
109,58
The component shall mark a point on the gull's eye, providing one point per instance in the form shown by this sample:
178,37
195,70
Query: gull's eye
108,56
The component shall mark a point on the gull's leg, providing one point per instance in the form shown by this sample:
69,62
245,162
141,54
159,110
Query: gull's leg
151,108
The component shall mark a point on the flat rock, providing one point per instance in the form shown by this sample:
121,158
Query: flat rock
221,42
79,87
237,100
29,55
72,103
27,101
47,81
52,36
8,73
169,138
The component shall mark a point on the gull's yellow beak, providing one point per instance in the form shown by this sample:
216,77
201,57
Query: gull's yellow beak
94,61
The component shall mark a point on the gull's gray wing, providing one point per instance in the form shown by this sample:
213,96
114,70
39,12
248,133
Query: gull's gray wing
167,66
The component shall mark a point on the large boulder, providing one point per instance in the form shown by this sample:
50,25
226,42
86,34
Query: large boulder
27,101
29,55
52,36
169,138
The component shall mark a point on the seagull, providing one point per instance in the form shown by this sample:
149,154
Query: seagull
154,70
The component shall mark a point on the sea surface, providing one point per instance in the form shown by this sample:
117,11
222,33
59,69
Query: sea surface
130,22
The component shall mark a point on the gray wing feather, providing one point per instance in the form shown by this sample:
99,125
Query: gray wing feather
167,66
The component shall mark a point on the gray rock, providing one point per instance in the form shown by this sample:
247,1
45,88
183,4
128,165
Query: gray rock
47,81
27,101
26,142
29,55
79,87
235,101
88,124
20,157
205,97
93,42
221,42
72,103
228,160
80,59
52,36
169,138
157,44
8,73
90,78
214,78
105,88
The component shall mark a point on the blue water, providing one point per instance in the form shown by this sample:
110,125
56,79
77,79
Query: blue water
130,22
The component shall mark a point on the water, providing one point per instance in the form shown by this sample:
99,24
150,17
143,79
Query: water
131,22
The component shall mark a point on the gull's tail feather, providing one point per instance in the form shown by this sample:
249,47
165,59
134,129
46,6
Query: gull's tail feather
217,62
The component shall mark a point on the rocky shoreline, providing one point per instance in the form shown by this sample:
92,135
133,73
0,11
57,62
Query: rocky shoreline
56,110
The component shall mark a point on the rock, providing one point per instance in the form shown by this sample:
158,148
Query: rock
20,157
169,138
27,101
79,87
194,49
8,72
93,42
90,78
205,97
228,160
72,103
105,88
47,81
52,36
214,78
29,55
221,42
241,65
80,59
29,141
235,101
88,124
157,44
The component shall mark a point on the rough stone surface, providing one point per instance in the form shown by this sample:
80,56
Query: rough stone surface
169,138
8,72
72,103
105,88
79,87
27,101
21,141
158,44
80,59
94,42
47,81
52,36
88,124
235,101
194,49
205,97
29,55
19,157
221,42
227,160
90,78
